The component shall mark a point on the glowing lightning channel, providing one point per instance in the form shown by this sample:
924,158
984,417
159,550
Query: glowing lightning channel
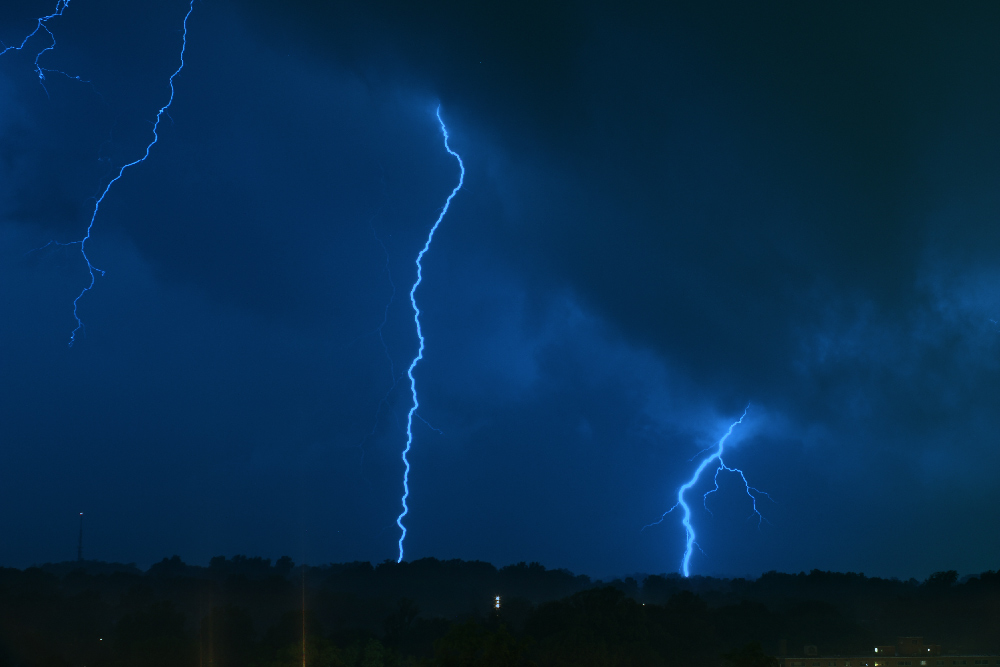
420,335
715,455
97,205
41,25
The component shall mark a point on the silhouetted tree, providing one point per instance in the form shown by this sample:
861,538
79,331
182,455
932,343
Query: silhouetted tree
751,655
155,637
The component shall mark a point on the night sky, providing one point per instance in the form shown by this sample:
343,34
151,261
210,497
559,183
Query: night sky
670,211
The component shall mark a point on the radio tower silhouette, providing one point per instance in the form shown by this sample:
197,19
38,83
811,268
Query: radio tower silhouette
79,544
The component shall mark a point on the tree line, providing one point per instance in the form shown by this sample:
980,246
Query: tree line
252,612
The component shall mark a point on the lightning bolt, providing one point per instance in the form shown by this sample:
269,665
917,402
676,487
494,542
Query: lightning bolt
41,25
97,205
715,455
420,335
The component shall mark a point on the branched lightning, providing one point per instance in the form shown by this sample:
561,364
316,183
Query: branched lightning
429,425
97,204
715,455
420,335
41,25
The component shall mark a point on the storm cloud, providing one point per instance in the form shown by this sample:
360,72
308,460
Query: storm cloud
670,212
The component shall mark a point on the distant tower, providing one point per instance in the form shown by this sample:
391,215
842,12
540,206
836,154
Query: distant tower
79,544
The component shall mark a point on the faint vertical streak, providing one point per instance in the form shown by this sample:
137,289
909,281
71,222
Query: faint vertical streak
303,616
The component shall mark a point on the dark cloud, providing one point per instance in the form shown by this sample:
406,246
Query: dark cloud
670,212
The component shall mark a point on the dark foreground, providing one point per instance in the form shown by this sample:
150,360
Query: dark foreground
248,612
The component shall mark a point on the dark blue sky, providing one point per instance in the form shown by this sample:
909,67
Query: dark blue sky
670,211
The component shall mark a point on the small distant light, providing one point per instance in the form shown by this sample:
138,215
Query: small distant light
497,605
876,650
